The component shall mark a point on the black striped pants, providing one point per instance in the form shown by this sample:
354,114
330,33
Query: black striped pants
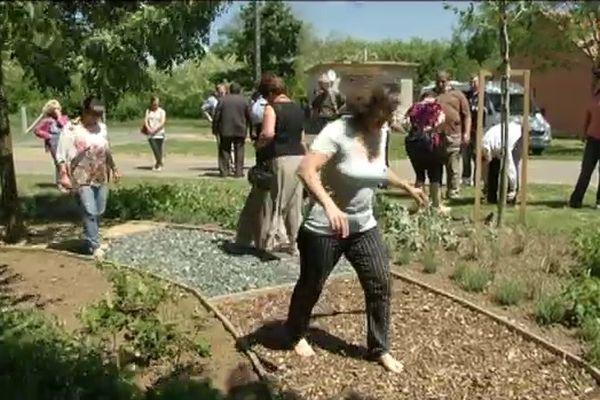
318,256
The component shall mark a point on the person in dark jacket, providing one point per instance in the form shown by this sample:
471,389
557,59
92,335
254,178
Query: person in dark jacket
230,123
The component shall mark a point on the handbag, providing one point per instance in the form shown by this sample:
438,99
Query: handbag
261,176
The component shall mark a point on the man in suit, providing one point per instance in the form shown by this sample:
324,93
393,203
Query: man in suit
230,124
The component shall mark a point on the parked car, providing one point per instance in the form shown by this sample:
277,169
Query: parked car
540,133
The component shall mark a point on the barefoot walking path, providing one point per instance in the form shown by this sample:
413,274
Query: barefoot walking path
449,351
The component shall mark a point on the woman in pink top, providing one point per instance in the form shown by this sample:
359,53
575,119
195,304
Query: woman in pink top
591,153
48,127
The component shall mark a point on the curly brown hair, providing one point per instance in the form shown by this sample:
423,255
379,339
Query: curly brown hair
271,85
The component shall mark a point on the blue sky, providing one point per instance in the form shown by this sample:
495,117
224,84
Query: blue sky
371,20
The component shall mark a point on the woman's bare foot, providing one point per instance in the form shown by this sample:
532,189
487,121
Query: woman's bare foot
303,349
444,210
390,363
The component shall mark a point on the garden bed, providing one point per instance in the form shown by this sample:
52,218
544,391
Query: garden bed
62,288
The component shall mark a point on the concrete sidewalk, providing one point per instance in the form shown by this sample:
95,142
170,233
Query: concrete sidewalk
35,162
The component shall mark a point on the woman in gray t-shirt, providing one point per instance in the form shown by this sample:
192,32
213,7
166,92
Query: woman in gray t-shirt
345,164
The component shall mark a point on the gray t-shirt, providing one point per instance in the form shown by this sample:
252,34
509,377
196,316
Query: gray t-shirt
348,176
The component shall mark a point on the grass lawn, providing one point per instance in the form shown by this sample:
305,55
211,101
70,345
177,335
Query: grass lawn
203,147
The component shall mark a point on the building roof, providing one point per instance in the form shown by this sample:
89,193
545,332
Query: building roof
333,65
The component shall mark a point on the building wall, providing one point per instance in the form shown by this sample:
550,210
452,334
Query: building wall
564,90
356,79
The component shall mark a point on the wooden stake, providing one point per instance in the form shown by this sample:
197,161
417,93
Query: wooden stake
525,149
479,137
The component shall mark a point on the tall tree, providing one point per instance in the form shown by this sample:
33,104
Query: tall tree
577,20
280,31
580,23
110,44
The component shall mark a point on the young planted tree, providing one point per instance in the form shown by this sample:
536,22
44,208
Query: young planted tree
505,104
109,44
498,16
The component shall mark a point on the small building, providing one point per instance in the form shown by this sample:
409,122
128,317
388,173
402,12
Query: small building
561,80
356,78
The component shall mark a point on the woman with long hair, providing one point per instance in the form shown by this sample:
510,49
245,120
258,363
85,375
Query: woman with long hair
85,165
275,201
345,163
154,128
48,127
423,145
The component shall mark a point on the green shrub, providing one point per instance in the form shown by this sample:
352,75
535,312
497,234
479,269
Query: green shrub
133,311
583,299
205,202
590,329
417,231
430,263
508,292
403,256
130,107
550,308
470,278
587,250
593,352
41,361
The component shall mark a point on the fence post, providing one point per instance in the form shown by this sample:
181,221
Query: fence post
24,124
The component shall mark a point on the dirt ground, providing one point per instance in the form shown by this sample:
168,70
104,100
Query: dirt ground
61,285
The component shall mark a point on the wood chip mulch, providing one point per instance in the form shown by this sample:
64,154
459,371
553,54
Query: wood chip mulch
448,351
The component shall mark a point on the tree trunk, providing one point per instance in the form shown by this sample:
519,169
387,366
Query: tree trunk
505,105
257,41
10,206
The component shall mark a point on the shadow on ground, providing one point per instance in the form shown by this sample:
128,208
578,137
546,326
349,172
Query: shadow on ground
273,336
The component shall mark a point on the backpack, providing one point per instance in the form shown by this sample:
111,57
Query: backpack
257,111
430,140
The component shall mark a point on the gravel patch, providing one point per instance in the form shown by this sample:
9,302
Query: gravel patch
449,352
196,258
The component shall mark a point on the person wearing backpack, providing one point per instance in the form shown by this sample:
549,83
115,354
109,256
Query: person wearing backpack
456,130
424,145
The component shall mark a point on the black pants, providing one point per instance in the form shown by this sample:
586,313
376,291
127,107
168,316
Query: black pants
493,181
387,149
318,256
591,155
424,161
468,157
156,144
225,145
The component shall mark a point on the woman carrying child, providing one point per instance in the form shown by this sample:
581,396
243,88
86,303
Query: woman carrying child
48,128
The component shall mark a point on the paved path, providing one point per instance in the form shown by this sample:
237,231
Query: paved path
34,161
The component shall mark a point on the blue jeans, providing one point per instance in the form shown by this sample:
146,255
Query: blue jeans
93,203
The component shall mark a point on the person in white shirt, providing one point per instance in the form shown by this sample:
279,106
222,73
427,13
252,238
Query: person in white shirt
348,159
492,160
154,127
